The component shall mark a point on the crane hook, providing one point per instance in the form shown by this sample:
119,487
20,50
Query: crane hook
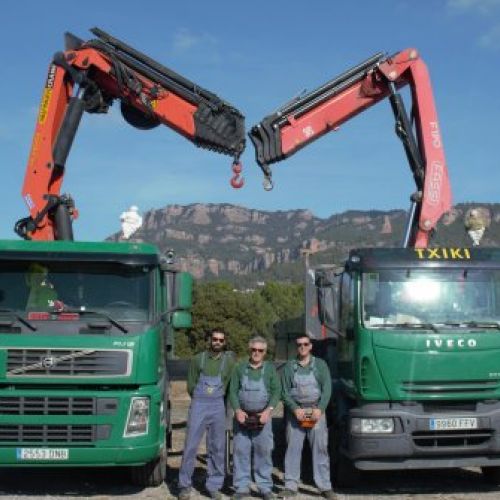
267,183
237,182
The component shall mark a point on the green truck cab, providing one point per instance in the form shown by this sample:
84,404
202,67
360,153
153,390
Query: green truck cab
85,333
412,338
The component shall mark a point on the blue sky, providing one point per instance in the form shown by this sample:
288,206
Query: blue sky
257,55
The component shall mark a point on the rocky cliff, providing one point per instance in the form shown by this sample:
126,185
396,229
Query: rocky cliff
225,241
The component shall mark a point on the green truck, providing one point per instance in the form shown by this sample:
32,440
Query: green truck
85,332
86,328
412,338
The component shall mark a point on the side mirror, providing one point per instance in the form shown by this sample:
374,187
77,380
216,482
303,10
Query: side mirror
326,314
322,280
326,297
181,319
179,289
183,291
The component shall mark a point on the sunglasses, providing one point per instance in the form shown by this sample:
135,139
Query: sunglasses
303,344
218,340
254,349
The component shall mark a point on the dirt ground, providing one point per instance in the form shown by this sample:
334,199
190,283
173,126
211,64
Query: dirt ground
104,484
436,484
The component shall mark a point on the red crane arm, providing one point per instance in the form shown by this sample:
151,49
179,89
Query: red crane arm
307,118
152,100
89,76
43,180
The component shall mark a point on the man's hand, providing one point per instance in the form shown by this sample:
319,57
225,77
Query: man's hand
265,416
316,414
300,414
241,416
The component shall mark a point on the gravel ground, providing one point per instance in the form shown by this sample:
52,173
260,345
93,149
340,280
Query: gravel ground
100,484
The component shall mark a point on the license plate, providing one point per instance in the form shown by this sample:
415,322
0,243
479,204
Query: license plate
449,424
42,453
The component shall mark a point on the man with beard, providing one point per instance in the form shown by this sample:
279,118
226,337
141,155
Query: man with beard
208,378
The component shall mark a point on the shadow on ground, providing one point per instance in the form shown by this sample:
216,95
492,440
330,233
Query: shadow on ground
76,482
451,484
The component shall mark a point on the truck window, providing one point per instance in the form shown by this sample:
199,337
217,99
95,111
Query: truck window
435,296
124,292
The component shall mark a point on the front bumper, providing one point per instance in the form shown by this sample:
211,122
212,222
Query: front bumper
86,425
413,445
91,457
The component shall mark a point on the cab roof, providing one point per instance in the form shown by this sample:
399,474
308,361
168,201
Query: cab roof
130,253
439,257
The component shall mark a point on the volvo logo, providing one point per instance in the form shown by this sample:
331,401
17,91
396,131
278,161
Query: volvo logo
48,361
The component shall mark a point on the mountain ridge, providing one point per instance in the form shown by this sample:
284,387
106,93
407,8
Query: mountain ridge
226,241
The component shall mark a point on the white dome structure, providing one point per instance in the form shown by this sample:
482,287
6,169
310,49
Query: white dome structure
131,221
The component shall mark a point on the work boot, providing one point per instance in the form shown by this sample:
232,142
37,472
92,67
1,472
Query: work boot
268,496
240,495
328,494
184,494
287,493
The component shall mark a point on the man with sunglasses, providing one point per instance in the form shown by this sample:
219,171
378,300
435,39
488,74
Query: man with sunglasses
254,392
307,389
208,378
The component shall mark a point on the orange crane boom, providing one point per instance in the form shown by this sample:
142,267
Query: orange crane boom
89,76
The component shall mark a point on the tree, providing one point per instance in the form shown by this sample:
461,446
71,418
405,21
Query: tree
240,314
286,300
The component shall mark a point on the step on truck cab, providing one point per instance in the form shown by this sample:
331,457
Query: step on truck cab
85,332
412,338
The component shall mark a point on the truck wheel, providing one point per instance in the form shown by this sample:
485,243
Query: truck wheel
491,475
344,473
151,474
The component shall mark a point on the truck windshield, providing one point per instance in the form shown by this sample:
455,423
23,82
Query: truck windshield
431,297
123,292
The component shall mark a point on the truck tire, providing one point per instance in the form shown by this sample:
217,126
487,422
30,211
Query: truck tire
151,474
491,475
344,473
168,422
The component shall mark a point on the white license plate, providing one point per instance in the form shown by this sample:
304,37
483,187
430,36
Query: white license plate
449,424
42,453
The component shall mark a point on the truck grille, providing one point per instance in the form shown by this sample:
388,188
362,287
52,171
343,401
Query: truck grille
447,387
29,405
437,439
48,433
449,406
67,363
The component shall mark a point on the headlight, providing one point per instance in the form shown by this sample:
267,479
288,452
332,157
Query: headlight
372,425
138,417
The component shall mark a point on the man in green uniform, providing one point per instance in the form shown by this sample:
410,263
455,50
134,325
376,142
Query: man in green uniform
307,389
208,378
42,295
254,392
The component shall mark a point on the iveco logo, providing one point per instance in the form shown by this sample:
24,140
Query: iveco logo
450,343
48,362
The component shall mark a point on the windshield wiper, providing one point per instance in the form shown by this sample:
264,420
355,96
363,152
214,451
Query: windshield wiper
19,318
97,313
423,326
482,324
